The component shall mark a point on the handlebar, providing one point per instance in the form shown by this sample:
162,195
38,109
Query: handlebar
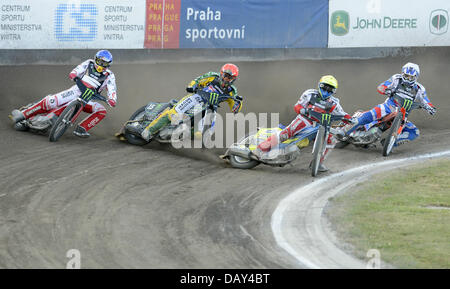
88,97
220,97
325,119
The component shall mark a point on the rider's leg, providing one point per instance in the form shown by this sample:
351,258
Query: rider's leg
48,103
185,104
158,123
97,113
375,113
292,129
409,133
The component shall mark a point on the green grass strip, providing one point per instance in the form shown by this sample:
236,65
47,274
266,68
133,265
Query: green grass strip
405,214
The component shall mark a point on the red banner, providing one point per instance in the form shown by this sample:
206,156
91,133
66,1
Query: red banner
162,25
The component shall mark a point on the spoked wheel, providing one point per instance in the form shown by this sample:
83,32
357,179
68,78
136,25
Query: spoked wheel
317,151
132,138
64,121
392,135
242,163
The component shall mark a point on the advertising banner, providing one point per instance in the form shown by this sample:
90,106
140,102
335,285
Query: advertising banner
385,23
53,24
253,24
162,24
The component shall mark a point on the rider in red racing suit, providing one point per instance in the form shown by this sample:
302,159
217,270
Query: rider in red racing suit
96,76
311,97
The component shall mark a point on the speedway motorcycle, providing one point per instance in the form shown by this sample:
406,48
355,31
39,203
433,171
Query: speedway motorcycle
241,154
56,121
172,132
371,133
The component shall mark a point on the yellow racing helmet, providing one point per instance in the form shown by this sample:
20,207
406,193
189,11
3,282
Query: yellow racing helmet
327,86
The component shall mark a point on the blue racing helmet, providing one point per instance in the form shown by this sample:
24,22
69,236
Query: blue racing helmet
103,60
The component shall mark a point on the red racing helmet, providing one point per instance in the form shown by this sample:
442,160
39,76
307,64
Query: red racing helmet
228,74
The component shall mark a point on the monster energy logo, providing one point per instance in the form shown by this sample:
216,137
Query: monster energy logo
88,93
326,118
213,97
407,104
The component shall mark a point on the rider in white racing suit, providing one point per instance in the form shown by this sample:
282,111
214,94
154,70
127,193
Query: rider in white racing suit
95,75
323,96
404,85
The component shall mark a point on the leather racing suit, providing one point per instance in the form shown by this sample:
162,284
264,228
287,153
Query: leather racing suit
309,98
208,82
91,79
395,85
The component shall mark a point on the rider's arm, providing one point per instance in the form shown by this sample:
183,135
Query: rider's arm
424,100
201,81
389,85
423,97
303,101
338,110
110,85
235,105
79,70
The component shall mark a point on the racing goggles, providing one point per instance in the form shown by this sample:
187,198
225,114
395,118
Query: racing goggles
101,62
327,88
409,77
229,76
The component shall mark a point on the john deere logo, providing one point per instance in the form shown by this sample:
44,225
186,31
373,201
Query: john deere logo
339,22
439,22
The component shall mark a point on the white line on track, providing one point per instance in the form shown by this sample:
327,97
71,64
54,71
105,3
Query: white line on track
297,221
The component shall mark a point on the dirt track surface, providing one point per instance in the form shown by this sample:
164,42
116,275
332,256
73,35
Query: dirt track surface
156,207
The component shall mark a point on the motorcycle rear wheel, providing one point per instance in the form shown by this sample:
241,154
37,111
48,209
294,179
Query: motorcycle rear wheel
64,121
242,163
132,138
341,144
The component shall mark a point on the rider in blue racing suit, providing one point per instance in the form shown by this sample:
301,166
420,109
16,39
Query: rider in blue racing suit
404,85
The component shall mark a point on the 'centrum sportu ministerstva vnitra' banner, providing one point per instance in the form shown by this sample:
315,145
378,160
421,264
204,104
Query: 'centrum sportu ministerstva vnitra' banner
160,24
387,23
172,24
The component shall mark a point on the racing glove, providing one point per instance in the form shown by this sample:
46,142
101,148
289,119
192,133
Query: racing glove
111,102
353,120
191,89
431,110
388,92
237,106
73,76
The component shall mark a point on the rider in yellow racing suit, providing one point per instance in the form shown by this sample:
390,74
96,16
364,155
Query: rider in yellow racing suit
211,82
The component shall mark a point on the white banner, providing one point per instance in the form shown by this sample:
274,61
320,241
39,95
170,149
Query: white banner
53,24
388,23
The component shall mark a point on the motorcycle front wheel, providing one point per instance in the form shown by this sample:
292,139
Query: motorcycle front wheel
64,121
392,135
317,151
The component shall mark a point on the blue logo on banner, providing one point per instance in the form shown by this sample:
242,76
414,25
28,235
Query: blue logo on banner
76,22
